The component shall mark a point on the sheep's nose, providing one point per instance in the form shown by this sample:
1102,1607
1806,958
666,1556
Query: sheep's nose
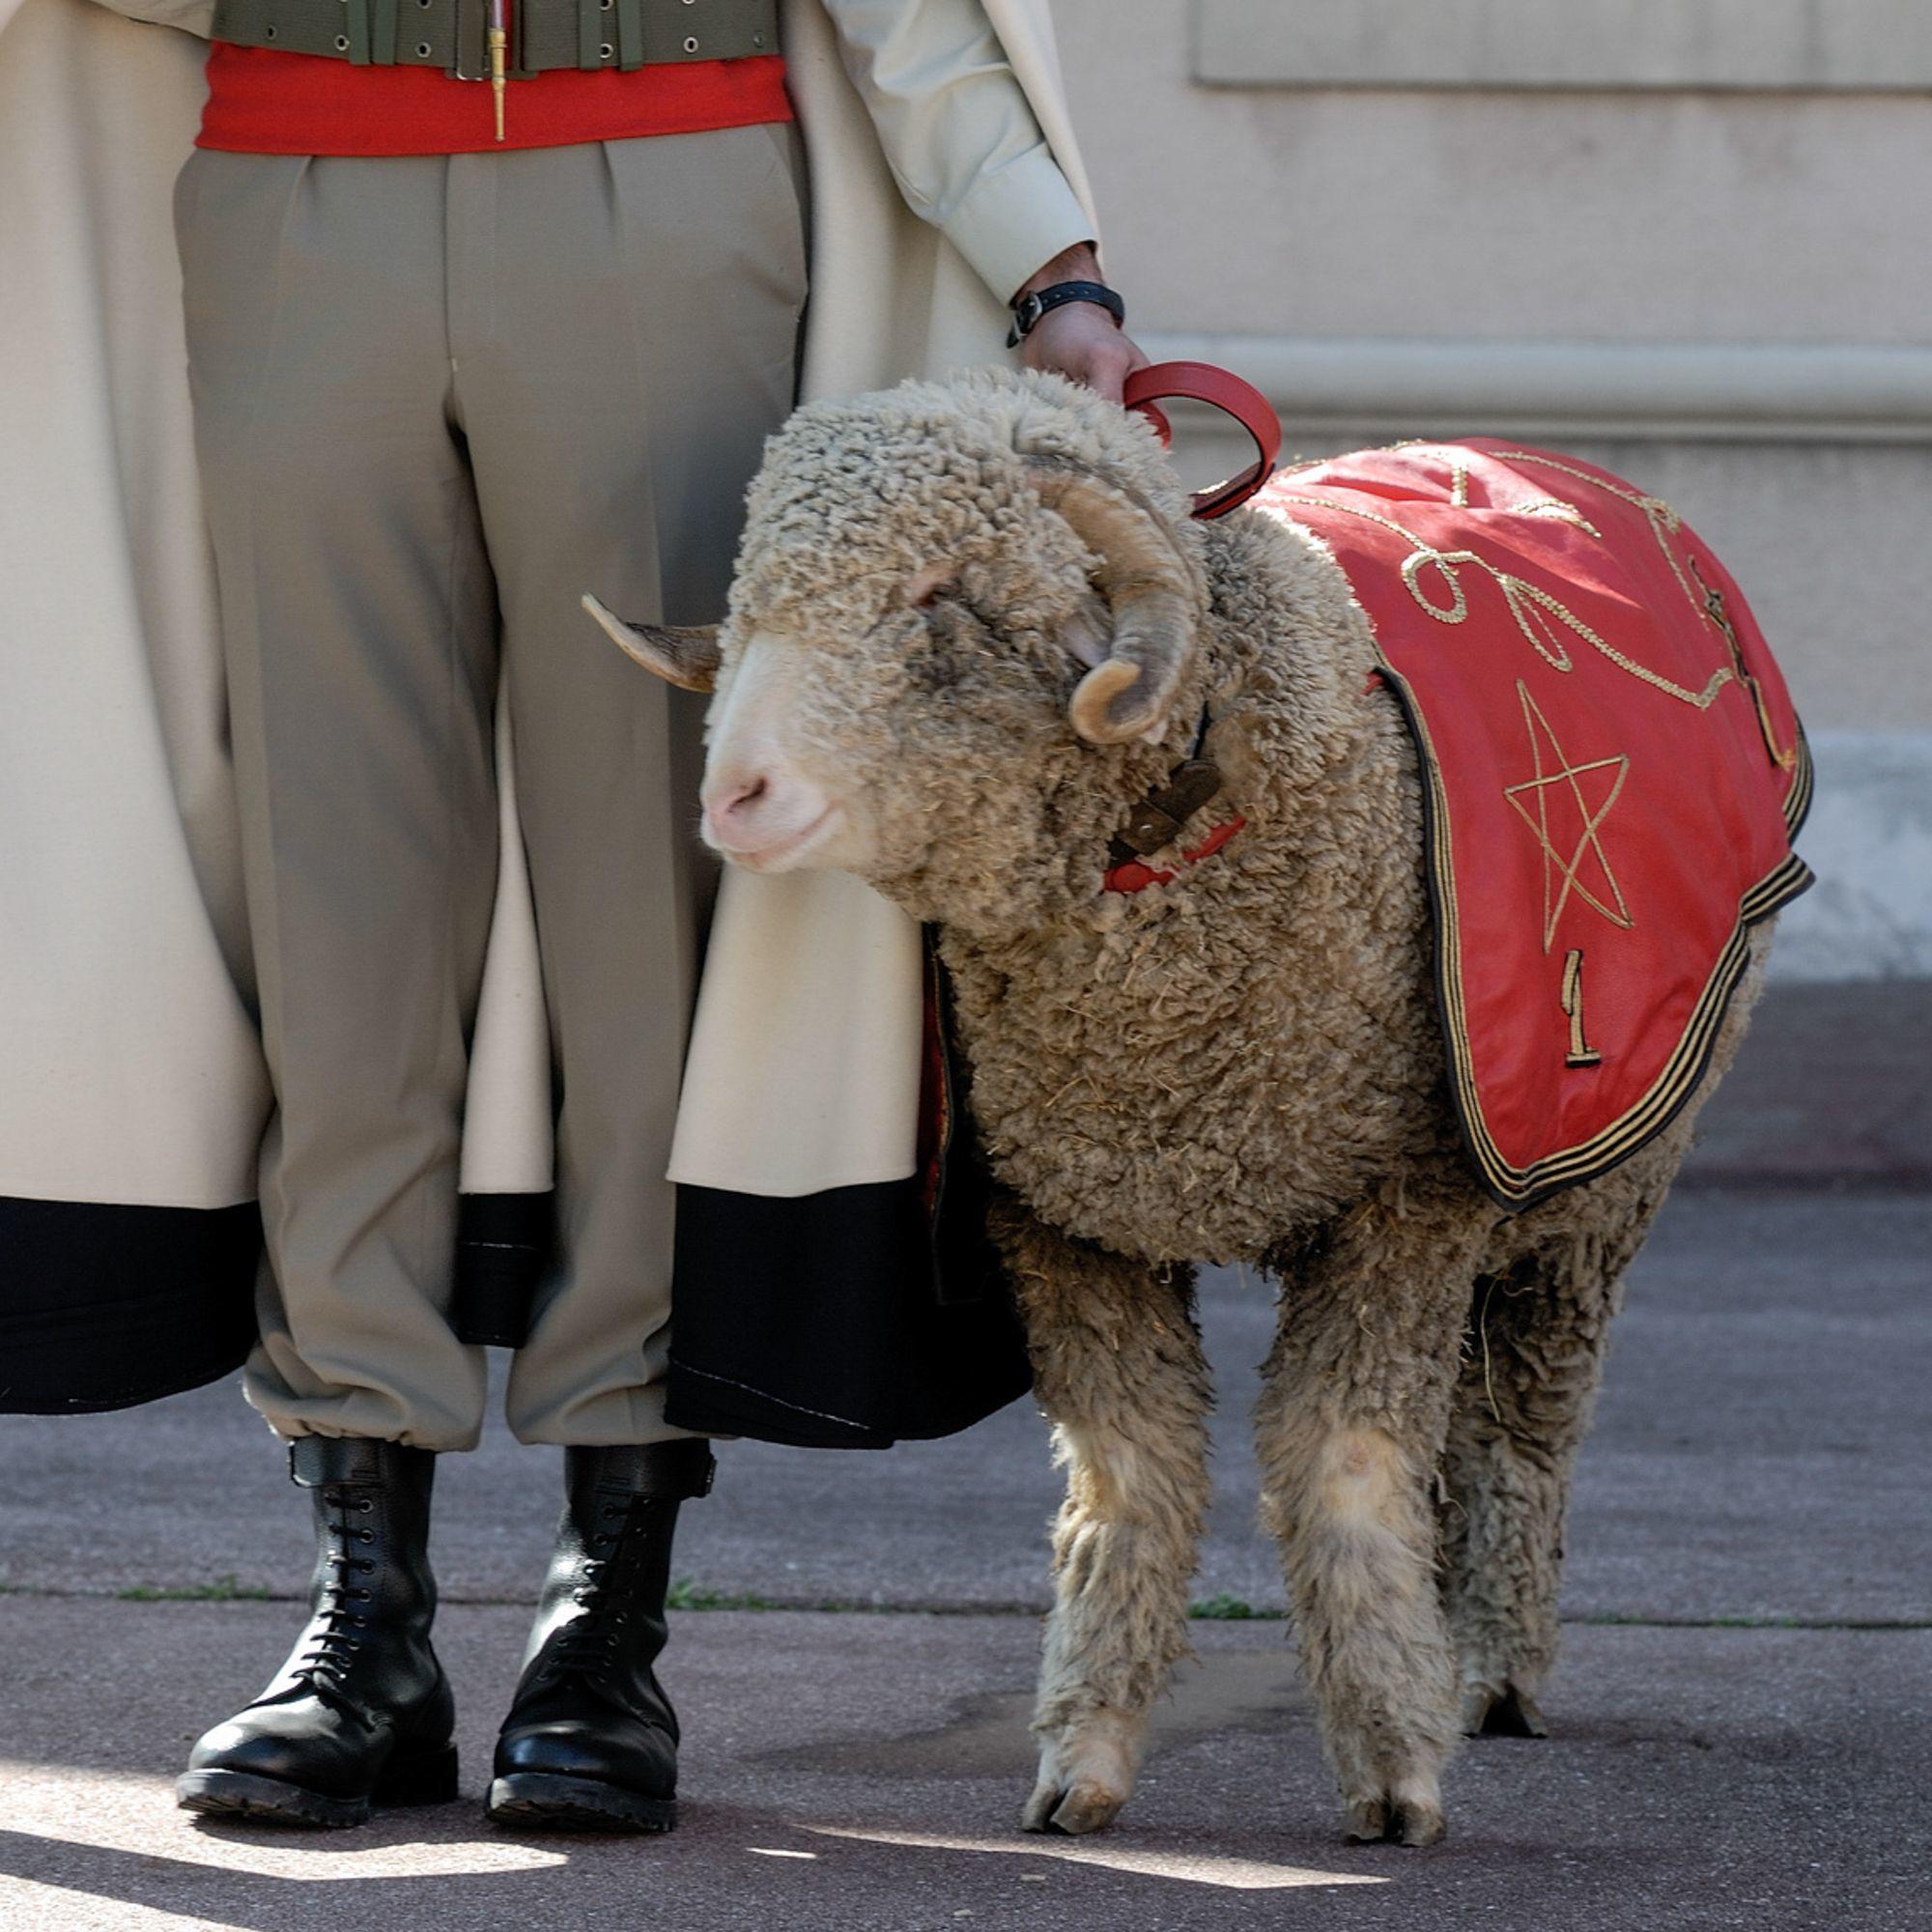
734,809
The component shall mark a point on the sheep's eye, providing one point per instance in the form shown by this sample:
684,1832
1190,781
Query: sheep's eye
928,586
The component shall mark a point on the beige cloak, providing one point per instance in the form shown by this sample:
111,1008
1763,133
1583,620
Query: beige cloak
131,1074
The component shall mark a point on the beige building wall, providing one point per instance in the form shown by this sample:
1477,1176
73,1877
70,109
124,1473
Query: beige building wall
1687,240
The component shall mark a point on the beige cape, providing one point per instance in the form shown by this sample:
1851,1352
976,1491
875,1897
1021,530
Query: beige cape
132,1073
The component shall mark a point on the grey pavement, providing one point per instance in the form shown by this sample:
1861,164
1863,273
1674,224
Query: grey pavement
1743,1732
861,1774
1764,1449
1834,1088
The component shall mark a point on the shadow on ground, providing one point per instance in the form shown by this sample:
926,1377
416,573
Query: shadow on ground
1742,1720
865,1773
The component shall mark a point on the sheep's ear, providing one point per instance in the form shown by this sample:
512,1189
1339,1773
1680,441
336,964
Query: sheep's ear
685,655
1087,636
1151,600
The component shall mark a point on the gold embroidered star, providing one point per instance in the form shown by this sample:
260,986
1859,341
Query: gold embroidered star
1571,787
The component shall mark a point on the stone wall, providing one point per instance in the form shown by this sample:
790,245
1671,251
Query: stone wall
1687,242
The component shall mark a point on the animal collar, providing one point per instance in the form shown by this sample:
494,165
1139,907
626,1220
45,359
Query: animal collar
1160,814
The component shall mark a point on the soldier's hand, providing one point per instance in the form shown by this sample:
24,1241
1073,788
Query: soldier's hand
1083,341
1079,339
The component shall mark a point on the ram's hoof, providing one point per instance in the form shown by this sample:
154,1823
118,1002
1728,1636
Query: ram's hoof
1086,1772
1399,1820
1512,1714
1366,1821
1087,1806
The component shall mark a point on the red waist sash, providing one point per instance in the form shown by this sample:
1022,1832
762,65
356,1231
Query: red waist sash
264,101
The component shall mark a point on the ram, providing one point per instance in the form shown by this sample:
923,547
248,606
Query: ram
1256,961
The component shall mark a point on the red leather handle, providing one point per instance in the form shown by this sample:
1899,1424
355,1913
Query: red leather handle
1203,383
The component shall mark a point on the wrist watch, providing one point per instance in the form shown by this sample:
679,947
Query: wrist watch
1029,308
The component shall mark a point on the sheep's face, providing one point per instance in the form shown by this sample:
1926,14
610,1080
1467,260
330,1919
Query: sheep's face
915,744
953,649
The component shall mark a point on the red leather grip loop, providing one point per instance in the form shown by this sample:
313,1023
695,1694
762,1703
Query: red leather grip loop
1203,383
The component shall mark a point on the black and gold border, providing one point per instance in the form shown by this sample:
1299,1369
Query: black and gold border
1517,1189
1797,800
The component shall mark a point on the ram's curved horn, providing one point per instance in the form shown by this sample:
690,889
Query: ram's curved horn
1151,590
685,655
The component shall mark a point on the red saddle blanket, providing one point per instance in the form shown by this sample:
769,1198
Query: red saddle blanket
1614,775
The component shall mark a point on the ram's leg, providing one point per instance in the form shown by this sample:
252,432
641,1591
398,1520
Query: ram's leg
1117,1368
1353,1410
1531,1374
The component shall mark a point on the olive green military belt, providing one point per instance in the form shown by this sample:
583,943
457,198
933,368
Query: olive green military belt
544,34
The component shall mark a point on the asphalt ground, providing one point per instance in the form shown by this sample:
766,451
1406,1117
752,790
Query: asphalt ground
847,1773
1743,1716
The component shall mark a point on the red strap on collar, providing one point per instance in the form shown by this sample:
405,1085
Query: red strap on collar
1203,383
1136,875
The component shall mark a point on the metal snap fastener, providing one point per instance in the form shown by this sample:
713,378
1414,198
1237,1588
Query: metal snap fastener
422,51
690,43
267,33
757,40
604,52
342,43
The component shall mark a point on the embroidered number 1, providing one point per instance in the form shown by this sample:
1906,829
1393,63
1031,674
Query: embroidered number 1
1581,1053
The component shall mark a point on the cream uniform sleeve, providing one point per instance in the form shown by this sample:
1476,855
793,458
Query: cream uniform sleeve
958,136
192,16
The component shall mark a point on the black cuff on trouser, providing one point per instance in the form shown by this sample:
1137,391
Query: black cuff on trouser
502,1242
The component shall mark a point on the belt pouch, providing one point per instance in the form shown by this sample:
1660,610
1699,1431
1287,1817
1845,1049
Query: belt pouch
469,58
630,34
381,30
592,25
370,28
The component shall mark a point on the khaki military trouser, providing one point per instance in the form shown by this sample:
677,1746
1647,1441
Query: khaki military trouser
436,398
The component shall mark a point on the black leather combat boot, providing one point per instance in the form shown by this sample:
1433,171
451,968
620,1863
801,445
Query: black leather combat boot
590,1744
360,1714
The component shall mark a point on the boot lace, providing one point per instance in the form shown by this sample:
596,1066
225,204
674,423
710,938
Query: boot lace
587,1645
334,1633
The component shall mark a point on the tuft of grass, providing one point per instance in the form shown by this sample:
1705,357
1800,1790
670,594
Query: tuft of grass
1224,1608
226,1588
685,1595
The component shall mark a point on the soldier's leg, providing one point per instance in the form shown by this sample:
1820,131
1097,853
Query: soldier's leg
360,633
359,624
625,319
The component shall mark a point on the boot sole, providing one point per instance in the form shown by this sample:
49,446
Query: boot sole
547,1802
273,1800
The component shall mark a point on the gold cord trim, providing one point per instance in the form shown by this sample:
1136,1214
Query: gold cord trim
1590,839
1530,606
1517,1189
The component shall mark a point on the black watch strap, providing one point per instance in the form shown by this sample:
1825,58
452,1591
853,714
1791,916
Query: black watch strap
1029,308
